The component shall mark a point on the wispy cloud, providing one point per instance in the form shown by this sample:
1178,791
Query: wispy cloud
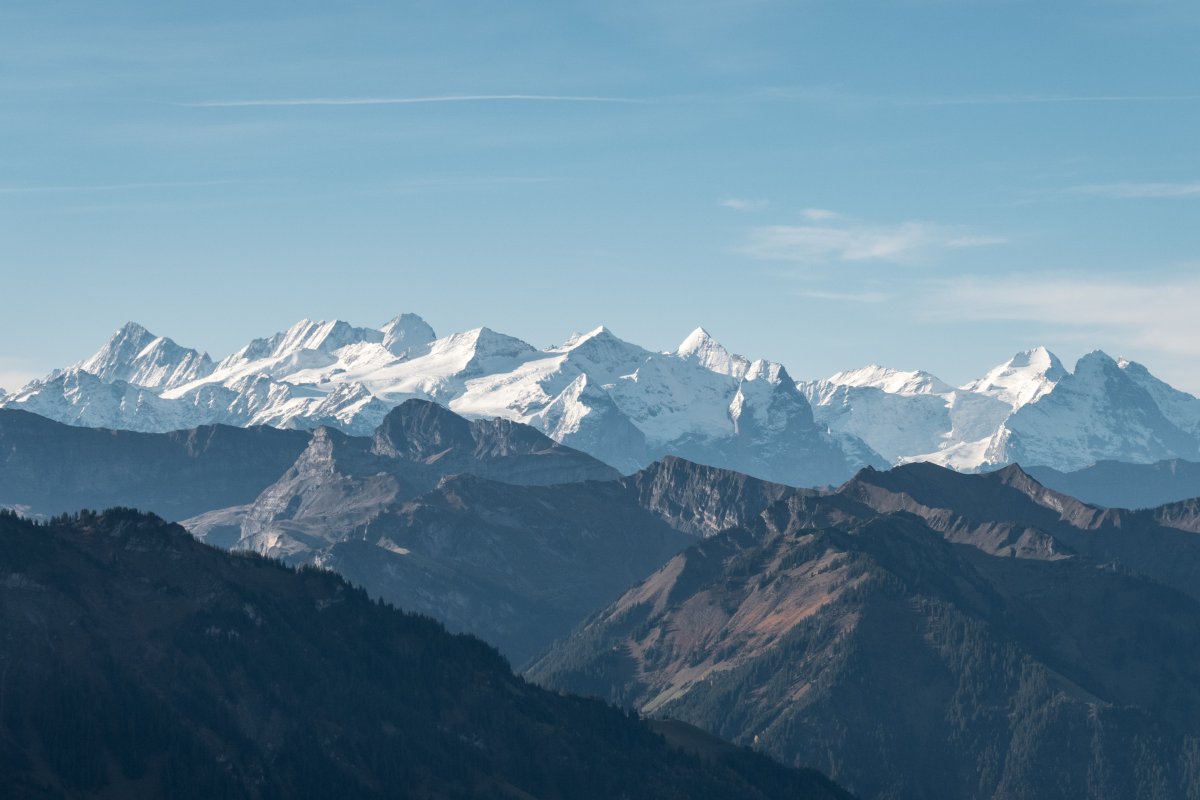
828,236
845,297
1037,99
1135,191
840,96
1146,313
111,187
401,101
745,204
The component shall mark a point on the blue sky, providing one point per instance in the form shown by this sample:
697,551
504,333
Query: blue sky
926,184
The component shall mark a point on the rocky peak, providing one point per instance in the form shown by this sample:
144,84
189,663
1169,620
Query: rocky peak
421,430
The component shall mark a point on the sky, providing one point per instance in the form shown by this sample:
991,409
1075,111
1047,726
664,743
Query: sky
930,184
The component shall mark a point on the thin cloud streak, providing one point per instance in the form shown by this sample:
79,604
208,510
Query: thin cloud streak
744,204
1039,99
846,297
112,187
831,237
834,95
1137,191
768,95
400,101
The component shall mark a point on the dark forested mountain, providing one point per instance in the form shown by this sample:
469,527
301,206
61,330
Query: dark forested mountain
47,467
1118,484
138,662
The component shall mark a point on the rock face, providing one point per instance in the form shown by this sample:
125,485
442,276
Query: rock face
139,663
917,633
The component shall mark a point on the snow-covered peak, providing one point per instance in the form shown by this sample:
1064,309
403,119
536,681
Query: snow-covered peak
702,348
600,332
477,352
762,370
1181,408
120,349
1095,362
892,381
304,344
324,336
483,342
406,333
602,350
1023,379
138,357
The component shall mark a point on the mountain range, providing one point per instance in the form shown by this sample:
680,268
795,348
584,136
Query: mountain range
915,632
629,406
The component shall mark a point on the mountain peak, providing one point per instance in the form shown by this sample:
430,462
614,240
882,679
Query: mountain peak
404,333
600,332
702,348
600,346
696,340
132,330
1023,379
770,371
324,335
138,357
420,430
892,381
486,341
1096,358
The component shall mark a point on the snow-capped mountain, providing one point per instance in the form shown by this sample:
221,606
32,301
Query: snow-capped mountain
1030,409
1099,412
1022,379
134,355
613,399
629,406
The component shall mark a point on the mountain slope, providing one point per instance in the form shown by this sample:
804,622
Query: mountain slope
48,468
488,525
139,663
1117,484
908,666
